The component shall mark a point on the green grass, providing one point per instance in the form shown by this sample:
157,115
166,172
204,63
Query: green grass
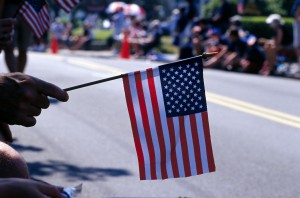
102,35
262,19
167,47
99,35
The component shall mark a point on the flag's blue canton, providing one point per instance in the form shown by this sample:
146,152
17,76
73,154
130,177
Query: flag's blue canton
37,5
183,87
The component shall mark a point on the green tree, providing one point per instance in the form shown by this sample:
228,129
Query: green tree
212,5
265,7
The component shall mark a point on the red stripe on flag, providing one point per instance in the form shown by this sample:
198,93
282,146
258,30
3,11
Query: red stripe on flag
136,137
158,124
184,147
30,22
210,156
45,17
196,143
63,6
68,4
32,14
145,120
75,2
173,147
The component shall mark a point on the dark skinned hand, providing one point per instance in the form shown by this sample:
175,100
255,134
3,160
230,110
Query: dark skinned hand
23,97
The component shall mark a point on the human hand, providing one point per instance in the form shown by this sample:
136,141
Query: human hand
24,188
6,31
5,133
23,97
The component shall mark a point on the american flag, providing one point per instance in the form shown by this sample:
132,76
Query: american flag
36,15
168,114
67,5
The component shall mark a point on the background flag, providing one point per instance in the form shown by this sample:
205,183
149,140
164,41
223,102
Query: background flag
67,5
168,113
36,15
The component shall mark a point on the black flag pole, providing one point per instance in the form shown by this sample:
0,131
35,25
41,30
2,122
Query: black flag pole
204,55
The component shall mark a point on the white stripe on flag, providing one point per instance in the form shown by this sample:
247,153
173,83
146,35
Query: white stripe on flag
30,20
140,126
63,5
202,143
163,118
32,13
71,3
178,147
151,120
189,138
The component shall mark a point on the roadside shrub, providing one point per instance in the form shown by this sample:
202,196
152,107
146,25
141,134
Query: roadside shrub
258,26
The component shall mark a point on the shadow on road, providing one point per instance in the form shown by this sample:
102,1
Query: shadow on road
22,148
72,172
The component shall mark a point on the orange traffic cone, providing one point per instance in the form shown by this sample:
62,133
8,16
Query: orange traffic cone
125,48
54,45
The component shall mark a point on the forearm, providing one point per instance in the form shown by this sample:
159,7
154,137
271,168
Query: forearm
1,7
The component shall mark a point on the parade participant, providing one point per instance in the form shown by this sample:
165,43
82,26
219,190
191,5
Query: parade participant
22,39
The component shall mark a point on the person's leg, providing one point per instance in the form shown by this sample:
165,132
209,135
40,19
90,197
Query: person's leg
24,40
10,59
22,60
271,57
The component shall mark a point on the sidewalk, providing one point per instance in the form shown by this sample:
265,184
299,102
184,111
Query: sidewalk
291,71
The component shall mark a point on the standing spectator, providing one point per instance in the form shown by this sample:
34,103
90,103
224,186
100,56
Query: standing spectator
296,28
180,27
222,15
58,29
119,24
22,40
191,10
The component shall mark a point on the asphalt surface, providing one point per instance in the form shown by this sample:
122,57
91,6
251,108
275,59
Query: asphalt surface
254,121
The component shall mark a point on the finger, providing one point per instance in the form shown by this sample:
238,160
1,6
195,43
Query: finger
36,99
51,90
32,111
42,101
5,131
6,37
8,21
7,28
5,43
25,120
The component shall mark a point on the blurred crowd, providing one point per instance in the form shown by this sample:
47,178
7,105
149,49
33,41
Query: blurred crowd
238,49
223,32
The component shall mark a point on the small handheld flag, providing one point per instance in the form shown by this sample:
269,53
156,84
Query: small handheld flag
168,113
36,15
67,5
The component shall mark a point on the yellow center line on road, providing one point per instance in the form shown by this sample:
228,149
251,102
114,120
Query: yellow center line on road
256,110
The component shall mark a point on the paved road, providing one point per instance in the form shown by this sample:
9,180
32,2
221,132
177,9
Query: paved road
254,120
